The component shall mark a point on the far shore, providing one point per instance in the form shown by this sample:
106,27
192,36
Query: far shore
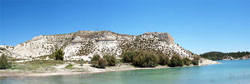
88,70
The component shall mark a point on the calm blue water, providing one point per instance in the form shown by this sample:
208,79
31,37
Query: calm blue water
229,72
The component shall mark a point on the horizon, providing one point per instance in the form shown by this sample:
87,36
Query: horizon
197,25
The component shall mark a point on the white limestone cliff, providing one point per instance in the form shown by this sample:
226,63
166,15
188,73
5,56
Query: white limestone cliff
84,44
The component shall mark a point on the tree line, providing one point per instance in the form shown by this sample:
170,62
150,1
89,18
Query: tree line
221,55
138,58
142,58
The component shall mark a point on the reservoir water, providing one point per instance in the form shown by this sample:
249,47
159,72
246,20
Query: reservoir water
229,72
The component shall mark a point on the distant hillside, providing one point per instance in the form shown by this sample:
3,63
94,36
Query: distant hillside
225,56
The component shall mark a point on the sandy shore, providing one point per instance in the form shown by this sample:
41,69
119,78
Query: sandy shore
13,73
85,69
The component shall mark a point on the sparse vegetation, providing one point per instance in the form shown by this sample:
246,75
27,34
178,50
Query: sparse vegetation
69,66
37,65
4,64
86,49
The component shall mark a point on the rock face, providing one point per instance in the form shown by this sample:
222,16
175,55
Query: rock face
6,50
84,44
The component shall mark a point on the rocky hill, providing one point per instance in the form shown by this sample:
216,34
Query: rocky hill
84,44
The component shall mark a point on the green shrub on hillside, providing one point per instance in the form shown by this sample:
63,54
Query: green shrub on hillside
81,62
57,55
195,61
4,64
176,61
98,62
128,56
96,57
186,61
111,59
94,60
145,59
163,59
102,63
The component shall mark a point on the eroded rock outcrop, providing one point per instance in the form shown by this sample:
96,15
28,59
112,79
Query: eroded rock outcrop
84,44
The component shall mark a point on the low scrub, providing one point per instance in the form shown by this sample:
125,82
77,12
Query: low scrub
140,58
151,59
37,65
58,55
98,62
111,59
187,61
4,64
196,60
164,59
176,61
127,57
69,66
145,59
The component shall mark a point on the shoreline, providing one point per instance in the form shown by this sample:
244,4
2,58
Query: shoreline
122,67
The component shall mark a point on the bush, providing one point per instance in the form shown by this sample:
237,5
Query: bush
111,59
152,59
195,61
102,63
81,62
163,59
145,59
58,54
98,62
186,61
94,60
128,56
4,64
176,61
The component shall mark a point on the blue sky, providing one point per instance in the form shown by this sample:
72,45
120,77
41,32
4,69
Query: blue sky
197,25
